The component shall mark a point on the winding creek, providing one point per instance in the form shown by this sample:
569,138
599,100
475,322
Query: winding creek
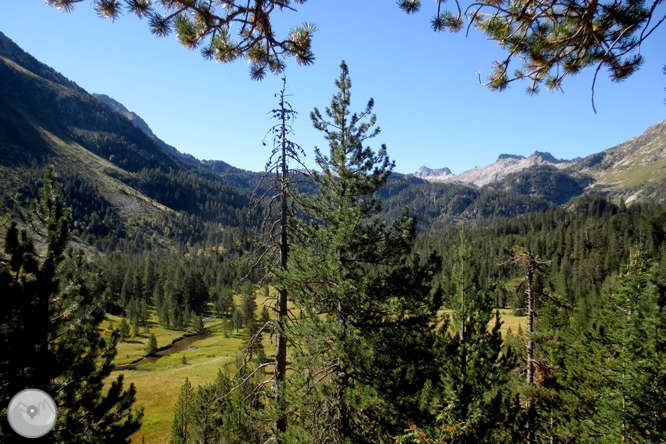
177,346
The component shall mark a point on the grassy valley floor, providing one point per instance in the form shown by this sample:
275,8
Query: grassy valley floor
158,383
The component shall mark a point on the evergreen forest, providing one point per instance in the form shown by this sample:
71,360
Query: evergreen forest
347,304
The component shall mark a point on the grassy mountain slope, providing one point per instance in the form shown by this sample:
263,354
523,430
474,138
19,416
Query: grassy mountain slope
634,169
45,118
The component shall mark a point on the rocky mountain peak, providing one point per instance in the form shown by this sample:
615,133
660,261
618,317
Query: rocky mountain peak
434,175
480,176
544,157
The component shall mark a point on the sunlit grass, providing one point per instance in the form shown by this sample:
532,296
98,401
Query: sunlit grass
134,347
508,319
158,383
511,321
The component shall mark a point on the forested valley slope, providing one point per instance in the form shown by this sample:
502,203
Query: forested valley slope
394,335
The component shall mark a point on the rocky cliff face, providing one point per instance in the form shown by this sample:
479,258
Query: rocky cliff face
437,175
505,165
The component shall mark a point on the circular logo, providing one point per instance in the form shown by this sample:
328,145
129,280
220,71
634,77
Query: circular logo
32,413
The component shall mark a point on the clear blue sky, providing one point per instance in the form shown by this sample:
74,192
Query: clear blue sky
428,104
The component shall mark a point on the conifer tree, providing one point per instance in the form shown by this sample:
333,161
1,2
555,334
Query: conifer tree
272,254
135,322
144,316
152,345
554,40
182,420
211,413
124,329
475,365
264,317
160,304
364,340
195,294
224,302
249,308
236,318
207,25
198,324
150,278
53,303
277,232
631,355
531,265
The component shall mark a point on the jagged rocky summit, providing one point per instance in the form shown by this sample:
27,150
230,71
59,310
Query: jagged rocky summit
504,165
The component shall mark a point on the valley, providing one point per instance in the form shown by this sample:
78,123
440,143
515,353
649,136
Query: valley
158,379
392,281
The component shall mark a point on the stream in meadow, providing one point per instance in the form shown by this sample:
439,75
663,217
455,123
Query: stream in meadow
176,347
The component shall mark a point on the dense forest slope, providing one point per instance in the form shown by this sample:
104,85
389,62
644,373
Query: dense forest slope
584,242
114,173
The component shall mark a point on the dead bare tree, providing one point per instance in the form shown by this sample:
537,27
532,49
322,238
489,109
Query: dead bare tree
531,264
272,252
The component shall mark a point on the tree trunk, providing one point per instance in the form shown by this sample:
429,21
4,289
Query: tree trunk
281,342
530,352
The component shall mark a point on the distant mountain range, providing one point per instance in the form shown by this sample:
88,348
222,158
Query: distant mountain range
123,182
505,165
634,169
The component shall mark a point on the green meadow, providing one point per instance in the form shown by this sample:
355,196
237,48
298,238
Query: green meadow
158,383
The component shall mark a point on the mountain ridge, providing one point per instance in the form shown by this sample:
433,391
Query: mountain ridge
119,177
495,172
632,169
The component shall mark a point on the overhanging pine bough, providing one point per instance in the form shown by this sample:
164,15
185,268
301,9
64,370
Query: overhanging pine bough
552,39
555,38
207,25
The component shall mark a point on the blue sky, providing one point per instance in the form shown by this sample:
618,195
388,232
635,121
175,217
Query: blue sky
427,101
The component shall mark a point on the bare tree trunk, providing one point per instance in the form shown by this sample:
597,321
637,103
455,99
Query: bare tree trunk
281,342
530,352
532,265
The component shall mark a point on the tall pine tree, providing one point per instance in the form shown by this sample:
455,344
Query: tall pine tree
363,343
273,254
181,428
53,303
630,348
